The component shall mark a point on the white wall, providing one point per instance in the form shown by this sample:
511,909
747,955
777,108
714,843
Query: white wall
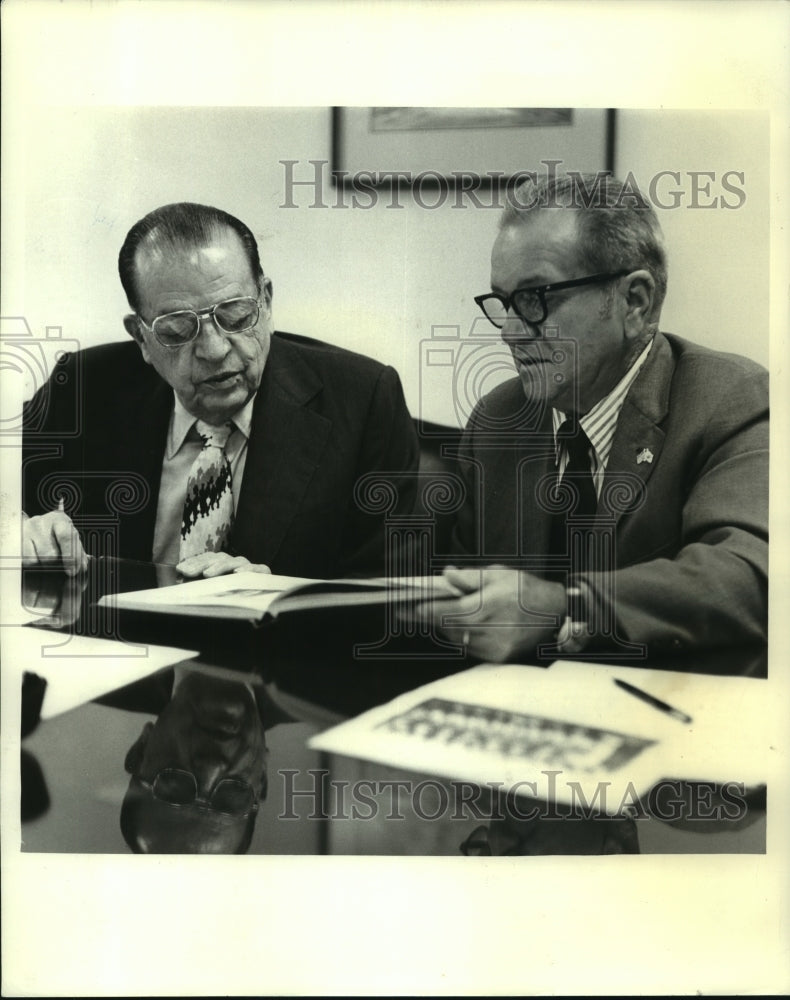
718,258
375,280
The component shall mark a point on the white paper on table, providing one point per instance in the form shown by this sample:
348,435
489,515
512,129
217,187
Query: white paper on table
734,727
576,731
80,668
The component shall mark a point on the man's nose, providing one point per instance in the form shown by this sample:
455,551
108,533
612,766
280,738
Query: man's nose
516,329
211,343
209,769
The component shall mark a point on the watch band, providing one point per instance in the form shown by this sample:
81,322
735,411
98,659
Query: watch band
574,632
576,604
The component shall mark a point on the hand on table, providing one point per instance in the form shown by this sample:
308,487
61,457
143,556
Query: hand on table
218,564
501,613
58,598
53,537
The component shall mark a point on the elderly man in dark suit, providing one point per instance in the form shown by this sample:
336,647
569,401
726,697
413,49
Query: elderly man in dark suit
617,490
213,442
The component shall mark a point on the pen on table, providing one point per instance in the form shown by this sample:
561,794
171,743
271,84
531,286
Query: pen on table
652,700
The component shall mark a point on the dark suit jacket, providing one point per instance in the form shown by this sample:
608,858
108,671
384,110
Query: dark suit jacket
323,418
690,519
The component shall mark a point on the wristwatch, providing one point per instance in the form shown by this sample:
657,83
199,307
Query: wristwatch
574,633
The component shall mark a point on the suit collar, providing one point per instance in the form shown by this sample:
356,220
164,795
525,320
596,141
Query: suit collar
639,439
143,432
286,446
288,374
649,395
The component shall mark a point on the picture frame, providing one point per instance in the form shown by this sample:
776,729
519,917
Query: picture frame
415,148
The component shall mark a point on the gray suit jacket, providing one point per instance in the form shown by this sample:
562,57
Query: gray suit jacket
688,561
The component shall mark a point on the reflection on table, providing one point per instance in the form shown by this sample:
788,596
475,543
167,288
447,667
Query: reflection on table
211,755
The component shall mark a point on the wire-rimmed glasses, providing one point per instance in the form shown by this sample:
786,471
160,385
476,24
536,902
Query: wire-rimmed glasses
231,796
178,328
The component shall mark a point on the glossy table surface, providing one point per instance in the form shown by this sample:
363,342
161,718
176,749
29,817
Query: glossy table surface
267,690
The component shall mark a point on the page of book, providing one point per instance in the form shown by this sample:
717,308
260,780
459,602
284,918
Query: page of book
253,595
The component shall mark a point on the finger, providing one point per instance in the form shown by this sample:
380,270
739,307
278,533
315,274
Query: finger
466,580
411,613
427,611
221,565
438,612
69,545
39,541
29,551
461,636
253,568
194,565
48,538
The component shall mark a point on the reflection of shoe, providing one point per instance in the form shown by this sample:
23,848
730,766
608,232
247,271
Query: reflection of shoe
33,688
35,796
553,834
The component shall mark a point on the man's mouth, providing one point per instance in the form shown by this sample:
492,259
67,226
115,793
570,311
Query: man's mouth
222,380
221,729
529,361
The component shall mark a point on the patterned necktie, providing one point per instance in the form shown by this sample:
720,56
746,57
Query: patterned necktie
208,507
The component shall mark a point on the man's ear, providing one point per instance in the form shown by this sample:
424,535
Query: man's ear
134,755
640,296
267,291
131,324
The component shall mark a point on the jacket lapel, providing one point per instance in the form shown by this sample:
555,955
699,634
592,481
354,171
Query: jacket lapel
535,471
638,440
144,435
513,463
286,444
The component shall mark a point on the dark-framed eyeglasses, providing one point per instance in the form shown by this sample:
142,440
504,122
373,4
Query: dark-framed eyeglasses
178,328
530,304
231,796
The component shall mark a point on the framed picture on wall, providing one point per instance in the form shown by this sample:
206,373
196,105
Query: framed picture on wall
465,148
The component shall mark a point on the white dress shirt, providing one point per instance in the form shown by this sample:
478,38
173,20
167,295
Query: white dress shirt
599,424
182,448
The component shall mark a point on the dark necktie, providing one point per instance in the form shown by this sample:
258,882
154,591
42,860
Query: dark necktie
577,481
578,472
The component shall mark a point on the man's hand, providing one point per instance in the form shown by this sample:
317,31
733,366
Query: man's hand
53,537
501,615
218,564
57,598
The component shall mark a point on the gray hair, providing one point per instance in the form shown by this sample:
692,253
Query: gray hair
618,227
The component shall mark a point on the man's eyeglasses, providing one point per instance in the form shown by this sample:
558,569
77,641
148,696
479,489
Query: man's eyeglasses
529,304
178,328
231,796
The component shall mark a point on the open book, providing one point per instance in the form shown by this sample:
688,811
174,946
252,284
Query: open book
256,597
569,733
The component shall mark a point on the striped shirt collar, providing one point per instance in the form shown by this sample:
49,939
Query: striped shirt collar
600,422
